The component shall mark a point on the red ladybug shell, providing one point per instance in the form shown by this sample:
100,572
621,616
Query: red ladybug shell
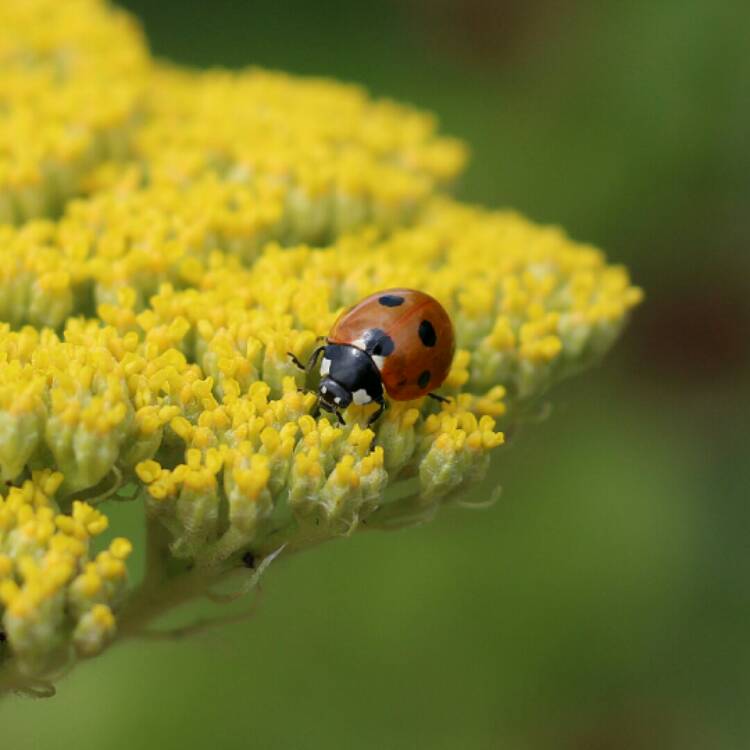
407,333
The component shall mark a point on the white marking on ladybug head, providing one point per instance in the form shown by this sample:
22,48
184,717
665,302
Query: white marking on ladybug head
325,366
337,399
361,396
360,344
323,389
378,360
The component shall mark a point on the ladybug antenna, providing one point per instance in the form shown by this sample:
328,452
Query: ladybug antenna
322,403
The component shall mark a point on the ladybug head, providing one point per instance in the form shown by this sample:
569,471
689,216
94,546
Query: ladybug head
348,375
333,396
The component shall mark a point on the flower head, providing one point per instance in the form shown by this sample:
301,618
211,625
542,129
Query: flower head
50,582
145,332
71,91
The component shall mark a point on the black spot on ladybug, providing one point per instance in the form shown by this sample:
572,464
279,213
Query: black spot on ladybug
378,342
427,333
384,347
391,300
424,379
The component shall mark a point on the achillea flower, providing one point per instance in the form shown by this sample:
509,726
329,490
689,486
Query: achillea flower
73,78
54,593
144,339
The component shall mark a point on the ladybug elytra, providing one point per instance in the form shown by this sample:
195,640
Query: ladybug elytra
397,341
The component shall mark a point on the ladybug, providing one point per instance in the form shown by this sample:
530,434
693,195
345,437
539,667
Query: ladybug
400,341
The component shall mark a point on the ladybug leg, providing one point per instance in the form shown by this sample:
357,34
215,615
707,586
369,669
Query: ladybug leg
296,361
310,362
438,397
382,406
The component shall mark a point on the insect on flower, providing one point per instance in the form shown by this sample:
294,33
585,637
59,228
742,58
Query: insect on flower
397,340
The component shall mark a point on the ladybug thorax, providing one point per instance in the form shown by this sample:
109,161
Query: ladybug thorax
348,375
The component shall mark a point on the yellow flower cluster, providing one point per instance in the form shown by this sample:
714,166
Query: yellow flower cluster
202,372
312,157
73,78
99,404
145,330
55,593
231,162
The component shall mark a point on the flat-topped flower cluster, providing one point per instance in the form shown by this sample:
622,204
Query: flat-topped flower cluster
165,247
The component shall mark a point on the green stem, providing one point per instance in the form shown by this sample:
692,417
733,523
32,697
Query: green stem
169,583
165,584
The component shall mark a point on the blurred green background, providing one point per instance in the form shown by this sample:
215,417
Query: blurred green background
604,602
